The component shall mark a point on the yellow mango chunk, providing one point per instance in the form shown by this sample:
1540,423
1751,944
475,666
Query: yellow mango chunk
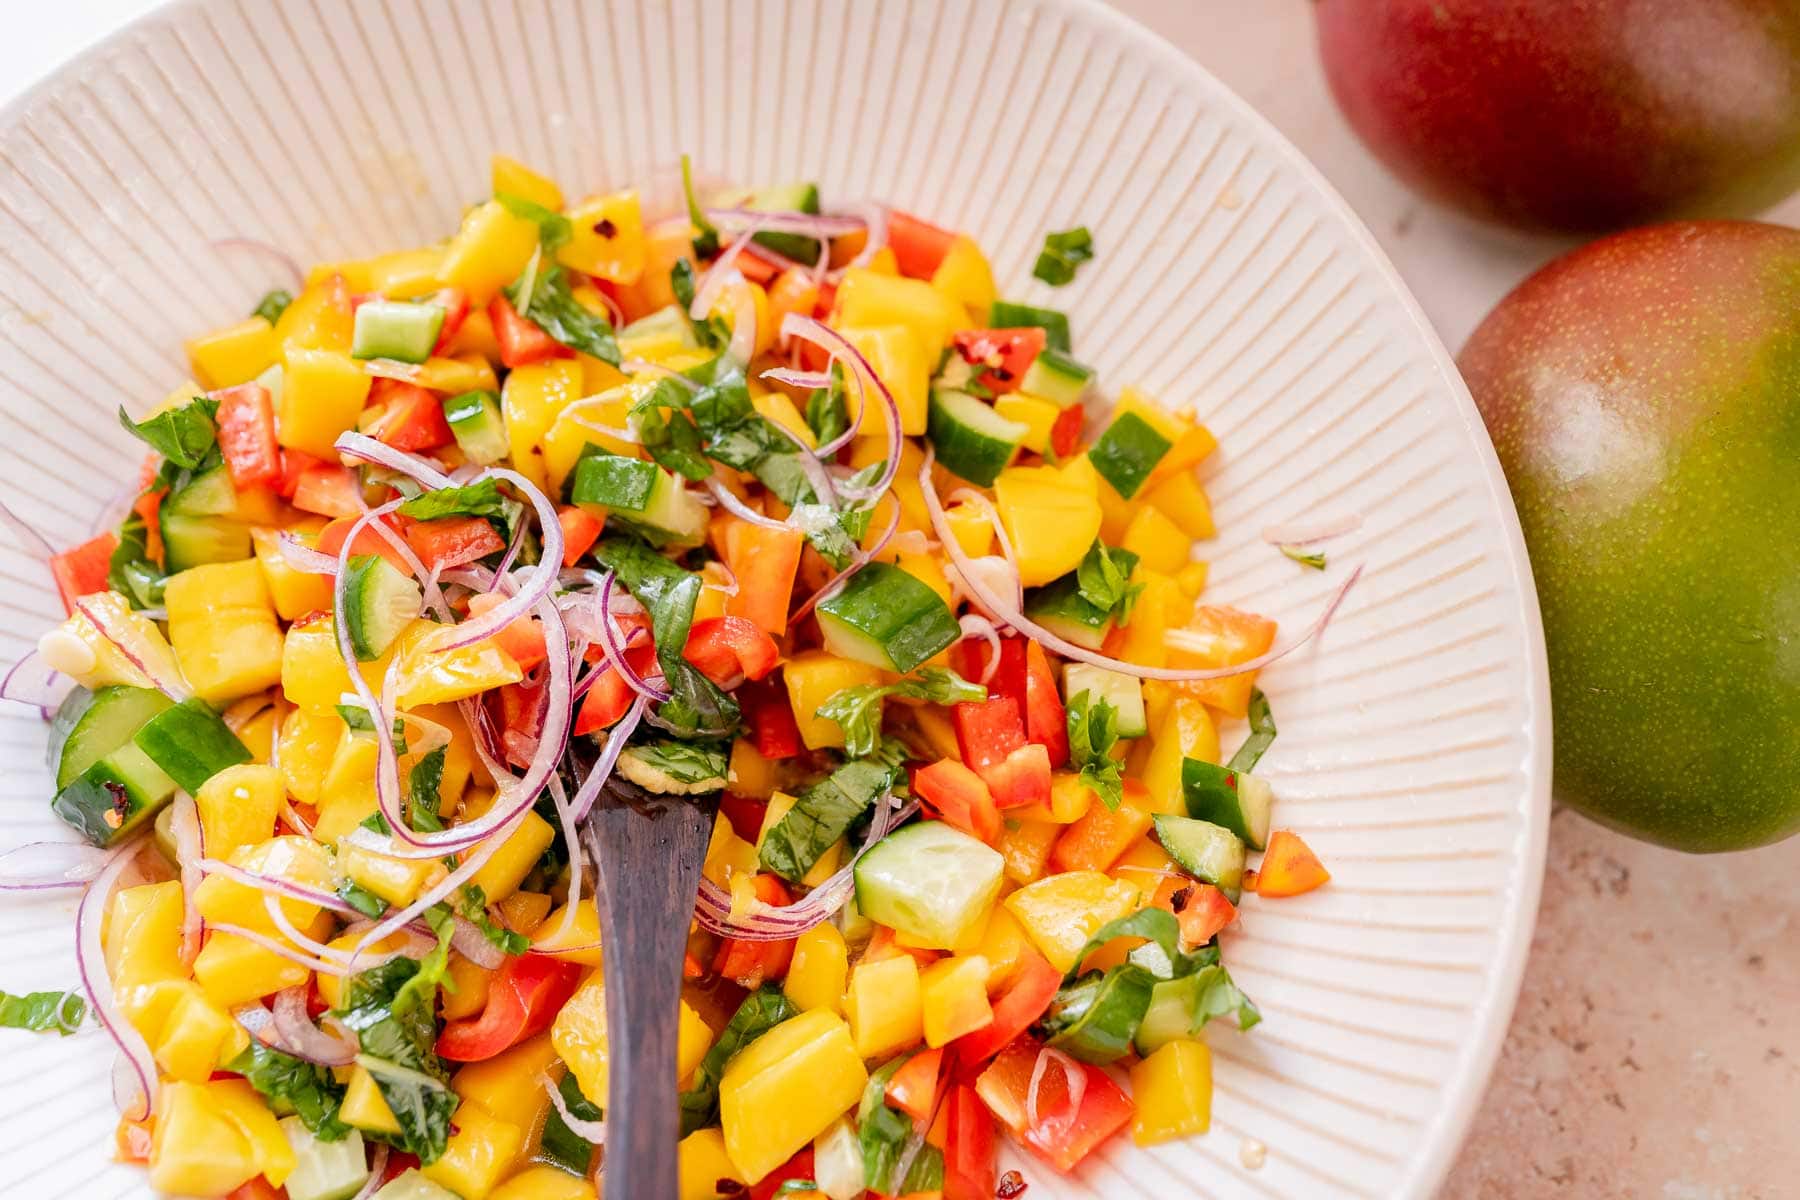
502,874
1003,945
902,362
606,238
1187,731
533,397
954,998
222,628
195,1147
785,1087
1051,520
322,393
965,277
820,969
488,252
885,1005
294,592
233,970
320,316
246,1109
701,1162
1036,414
480,1152
543,1182
233,355
867,298
814,677
1060,913
579,1035
580,943
363,1106
1025,846
1158,542
238,807
428,675
513,178
196,1038
1181,499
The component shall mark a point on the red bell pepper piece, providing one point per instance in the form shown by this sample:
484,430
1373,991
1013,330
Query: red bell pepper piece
1203,909
799,1167
524,996
256,1188
456,311
1046,721
580,530
610,696
1060,1137
988,731
753,964
729,649
970,1146
745,814
957,796
764,562
919,247
369,541
970,659
773,730
754,267
1034,984
522,638
329,491
246,421
913,1088
82,570
1065,431
409,416
522,341
1006,353
453,541
293,464
1021,778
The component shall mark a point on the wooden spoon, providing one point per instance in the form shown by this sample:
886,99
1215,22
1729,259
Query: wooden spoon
649,851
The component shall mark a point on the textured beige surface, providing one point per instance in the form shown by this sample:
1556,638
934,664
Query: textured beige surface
1655,1051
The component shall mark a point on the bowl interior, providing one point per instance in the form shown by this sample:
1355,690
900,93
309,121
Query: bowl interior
1414,739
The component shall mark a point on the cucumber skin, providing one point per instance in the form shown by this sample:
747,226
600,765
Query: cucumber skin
1110,686
128,774
968,453
1177,836
887,606
1170,1015
477,424
209,494
1057,378
370,575
190,541
1215,794
85,715
190,743
614,481
875,897
1004,314
1127,453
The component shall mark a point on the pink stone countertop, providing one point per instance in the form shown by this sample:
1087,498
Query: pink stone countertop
1655,1051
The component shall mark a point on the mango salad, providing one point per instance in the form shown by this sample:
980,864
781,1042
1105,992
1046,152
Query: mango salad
738,503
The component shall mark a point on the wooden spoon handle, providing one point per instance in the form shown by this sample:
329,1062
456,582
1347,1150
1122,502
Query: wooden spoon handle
649,864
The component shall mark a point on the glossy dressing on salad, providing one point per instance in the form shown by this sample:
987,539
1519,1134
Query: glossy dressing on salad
744,500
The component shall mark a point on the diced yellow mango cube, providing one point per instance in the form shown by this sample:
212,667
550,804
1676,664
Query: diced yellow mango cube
322,394
579,1035
234,970
865,451
363,1105
1061,912
575,427
702,1162
965,277
258,735
1187,731
294,592
524,911
233,355
954,998
467,992
867,298
396,880
221,899
579,943
407,274
812,678
779,1092
750,774
1069,801
458,373
532,399
820,969
195,1147
778,408
480,1152
141,940
1191,579
693,1038
1194,445
238,807
1025,845
222,627
1143,638
1033,412
606,238
502,874
196,1037
1172,1092
1171,426
1051,521
727,854
1181,499
1003,945
884,1005
543,1182
973,530
902,362
426,674
319,318
312,671
245,1108
1157,541
927,568
348,796
513,178
489,251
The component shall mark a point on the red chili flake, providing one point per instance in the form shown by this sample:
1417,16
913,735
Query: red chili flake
730,1188
1179,900
605,228
1012,1185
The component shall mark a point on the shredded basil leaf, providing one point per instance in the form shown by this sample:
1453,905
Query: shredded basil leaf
423,786
1062,253
710,331
130,571
362,899
760,1012
551,306
857,710
882,1133
822,814
292,1085
554,229
360,721
1261,736
43,1012
706,240
1093,732
396,1027
1102,582
479,499
181,435
828,409
568,1148
274,302
696,707
687,768
667,431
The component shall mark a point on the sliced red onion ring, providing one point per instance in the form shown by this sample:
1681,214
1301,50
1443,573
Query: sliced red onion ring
825,489
90,963
38,866
298,1036
473,944
839,347
767,924
565,817
797,378
742,347
1011,615
165,677
875,219
1301,533
190,848
730,503
812,225
1076,1081
361,445
274,254
536,586
857,561
31,681
302,557
30,540
593,1131
616,737
615,650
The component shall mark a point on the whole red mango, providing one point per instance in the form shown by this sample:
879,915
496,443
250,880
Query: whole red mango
1577,115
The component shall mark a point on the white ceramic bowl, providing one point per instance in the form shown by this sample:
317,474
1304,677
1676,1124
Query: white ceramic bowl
1414,747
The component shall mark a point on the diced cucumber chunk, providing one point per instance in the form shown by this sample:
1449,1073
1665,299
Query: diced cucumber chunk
1057,378
928,881
208,494
665,324
788,197
478,426
190,743
1124,692
410,1185
1127,452
190,541
1006,315
1211,853
114,796
1170,1016
973,441
649,498
887,618
380,600
1237,800
396,329
324,1170
1059,607
90,725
